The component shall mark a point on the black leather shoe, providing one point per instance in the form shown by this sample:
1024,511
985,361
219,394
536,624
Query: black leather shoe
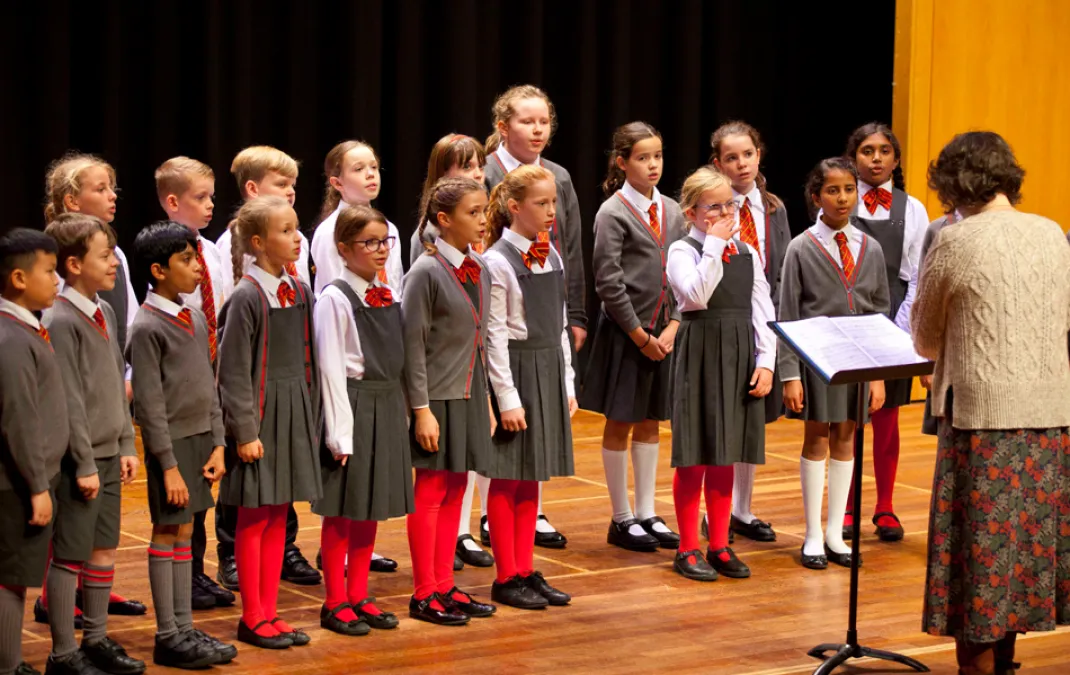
109,656
183,650
484,531
550,539
40,614
705,525
228,573
381,621
537,582
299,637
421,610
123,608
330,621
296,570
26,669
225,653
515,592
755,529
813,562
383,565
75,664
223,597
249,637
478,558
665,539
841,559
470,606
619,536
733,568
848,530
458,564
699,570
888,533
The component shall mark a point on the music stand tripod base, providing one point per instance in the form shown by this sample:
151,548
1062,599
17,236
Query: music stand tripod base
841,653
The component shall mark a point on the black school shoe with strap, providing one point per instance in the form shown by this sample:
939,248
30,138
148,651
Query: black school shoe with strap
225,652
756,529
549,539
329,620
296,569
250,637
184,651
26,669
706,531
385,565
668,539
206,591
228,573
299,637
691,565
468,556
116,608
620,536
421,610
469,606
516,593
888,532
74,664
109,656
731,566
381,621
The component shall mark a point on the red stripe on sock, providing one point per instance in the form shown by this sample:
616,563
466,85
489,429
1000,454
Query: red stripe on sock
157,553
98,576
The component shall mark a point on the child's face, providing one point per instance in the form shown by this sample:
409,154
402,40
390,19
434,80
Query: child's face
274,184
39,284
183,273
467,224
643,166
359,181
97,270
283,241
528,130
536,212
358,258
97,196
194,207
875,159
713,205
739,161
472,169
837,198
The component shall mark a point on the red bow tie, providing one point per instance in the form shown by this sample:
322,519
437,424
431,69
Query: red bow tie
537,253
877,197
729,251
469,270
286,295
378,296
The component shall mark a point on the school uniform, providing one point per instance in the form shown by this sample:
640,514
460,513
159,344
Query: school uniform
176,403
564,234
268,391
360,370
629,260
431,232
329,263
32,445
530,361
813,284
723,337
298,269
122,300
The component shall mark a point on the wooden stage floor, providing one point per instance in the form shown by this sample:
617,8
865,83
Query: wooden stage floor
630,612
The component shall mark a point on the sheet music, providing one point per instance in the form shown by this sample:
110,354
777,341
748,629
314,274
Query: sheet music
844,343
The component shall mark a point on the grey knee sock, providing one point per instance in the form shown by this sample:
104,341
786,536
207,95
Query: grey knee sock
161,581
12,604
62,583
96,589
183,584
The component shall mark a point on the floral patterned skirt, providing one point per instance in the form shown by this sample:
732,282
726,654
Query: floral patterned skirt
999,533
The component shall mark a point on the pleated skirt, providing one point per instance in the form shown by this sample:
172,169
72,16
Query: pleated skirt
620,382
827,403
464,431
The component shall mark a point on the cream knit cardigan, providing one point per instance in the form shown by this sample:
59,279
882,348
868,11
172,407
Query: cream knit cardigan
993,310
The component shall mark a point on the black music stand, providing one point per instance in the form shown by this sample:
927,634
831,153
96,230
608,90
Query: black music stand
850,649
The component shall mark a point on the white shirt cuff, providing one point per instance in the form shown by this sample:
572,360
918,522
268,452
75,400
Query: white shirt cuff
767,361
509,400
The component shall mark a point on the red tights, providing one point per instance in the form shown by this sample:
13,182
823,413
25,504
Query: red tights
687,486
512,509
432,529
259,544
341,537
885,429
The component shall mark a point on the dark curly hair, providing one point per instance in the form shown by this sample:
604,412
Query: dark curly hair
973,168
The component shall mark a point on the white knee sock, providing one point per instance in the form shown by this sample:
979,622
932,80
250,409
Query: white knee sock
543,524
615,463
742,491
465,526
840,474
483,483
645,470
812,475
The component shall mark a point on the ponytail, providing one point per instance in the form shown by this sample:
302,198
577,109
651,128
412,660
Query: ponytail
497,214
237,250
624,140
770,202
444,198
514,186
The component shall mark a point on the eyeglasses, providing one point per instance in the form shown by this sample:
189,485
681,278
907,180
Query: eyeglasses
373,245
729,207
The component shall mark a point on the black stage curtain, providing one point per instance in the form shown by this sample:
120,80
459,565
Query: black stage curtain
138,82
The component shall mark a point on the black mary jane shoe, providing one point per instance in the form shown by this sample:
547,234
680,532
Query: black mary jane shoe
550,539
299,637
467,556
40,614
668,539
516,593
813,562
386,565
183,651
756,529
381,621
329,620
620,536
109,656
471,607
885,533
699,570
225,652
484,531
705,525
250,637
537,582
733,568
227,576
26,669
121,608
841,559
458,564
421,610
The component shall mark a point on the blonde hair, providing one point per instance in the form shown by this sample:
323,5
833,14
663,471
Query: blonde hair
64,178
505,107
175,176
252,220
332,168
514,186
703,179
444,198
256,161
72,232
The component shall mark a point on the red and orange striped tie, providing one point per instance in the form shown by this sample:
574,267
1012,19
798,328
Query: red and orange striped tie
43,332
286,294
654,224
208,304
748,231
291,269
846,258
98,318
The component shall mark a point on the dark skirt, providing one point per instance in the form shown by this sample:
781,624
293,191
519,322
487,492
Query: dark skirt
828,403
23,547
620,382
774,400
715,422
897,392
544,449
289,470
192,454
999,533
376,482
929,424
463,431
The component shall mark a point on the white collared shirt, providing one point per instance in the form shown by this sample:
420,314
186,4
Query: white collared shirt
161,303
508,161
221,274
224,244
507,321
270,283
19,312
339,356
757,211
642,204
329,264
695,277
84,304
451,254
827,236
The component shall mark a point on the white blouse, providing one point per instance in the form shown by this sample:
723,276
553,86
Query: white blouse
329,264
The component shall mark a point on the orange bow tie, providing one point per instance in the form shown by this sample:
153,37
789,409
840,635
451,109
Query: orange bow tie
877,197
378,296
